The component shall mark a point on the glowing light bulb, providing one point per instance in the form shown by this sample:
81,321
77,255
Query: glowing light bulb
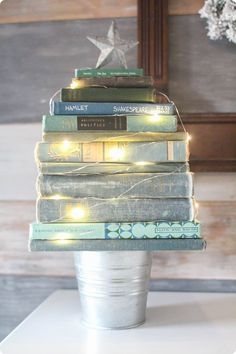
65,145
155,118
77,213
56,197
73,85
144,163
189,137
63,242
116,153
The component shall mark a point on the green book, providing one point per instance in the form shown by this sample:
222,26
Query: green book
87,136
127,152
112,81
64,210
110,94
129,123
80,168
135,185
195,244
110,231
108,72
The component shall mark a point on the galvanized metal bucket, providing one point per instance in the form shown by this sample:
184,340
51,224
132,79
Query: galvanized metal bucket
113,287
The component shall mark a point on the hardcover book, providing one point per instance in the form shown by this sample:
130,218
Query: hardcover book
128,152
107,135
108,72
195,244
115,81
110,231
80,168
114,108
136,123
114,209
110,94
135,185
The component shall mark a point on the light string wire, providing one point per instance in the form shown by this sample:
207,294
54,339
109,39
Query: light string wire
122,195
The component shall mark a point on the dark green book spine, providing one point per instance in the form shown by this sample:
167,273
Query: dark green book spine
91,94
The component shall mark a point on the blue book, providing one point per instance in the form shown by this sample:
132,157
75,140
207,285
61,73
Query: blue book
117,108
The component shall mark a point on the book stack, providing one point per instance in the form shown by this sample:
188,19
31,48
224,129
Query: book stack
114,171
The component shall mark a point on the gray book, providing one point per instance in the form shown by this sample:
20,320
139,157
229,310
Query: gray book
117,245
114,209
82,168
135,185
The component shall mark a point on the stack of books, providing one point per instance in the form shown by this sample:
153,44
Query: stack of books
113,169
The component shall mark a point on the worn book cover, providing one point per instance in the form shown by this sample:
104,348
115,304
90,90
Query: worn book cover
107,135
81,168
190,244
113,108
127,152
110,231
129,123
114,209
135,185
109,94
113,81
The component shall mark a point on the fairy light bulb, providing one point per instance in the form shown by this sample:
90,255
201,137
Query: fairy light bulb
56,197
65,145
144,163
155,118
116,153
73,85
77,213
189,137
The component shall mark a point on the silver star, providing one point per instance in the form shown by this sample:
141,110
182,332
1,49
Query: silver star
112,47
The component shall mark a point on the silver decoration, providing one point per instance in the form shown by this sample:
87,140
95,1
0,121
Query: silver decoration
112,47
221,19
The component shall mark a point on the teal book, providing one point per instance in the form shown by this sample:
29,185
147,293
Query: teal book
109,94
127,152
188,244
129,123
81,168
114,209
135,185
115,231
106,135
112,81
110,108
108,72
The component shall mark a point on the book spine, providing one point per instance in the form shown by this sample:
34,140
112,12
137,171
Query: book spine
110,231
115,81
92,94
114,210
118,245
108,72
75,169
145,185
127,152
142,123
114,108
106,135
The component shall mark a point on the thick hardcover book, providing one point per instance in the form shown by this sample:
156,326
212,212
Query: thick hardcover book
110,231
135,185
114,108
114,209
136,123
80,168
190,244
127,152
110,94
115,81
107,135
108,72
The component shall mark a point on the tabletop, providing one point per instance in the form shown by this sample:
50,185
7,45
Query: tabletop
176,322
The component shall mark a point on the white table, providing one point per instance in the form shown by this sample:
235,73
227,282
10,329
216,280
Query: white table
184,323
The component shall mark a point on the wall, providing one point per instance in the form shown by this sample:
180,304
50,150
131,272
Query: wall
37,59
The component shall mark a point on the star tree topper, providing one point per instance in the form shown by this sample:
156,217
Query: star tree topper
112,47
